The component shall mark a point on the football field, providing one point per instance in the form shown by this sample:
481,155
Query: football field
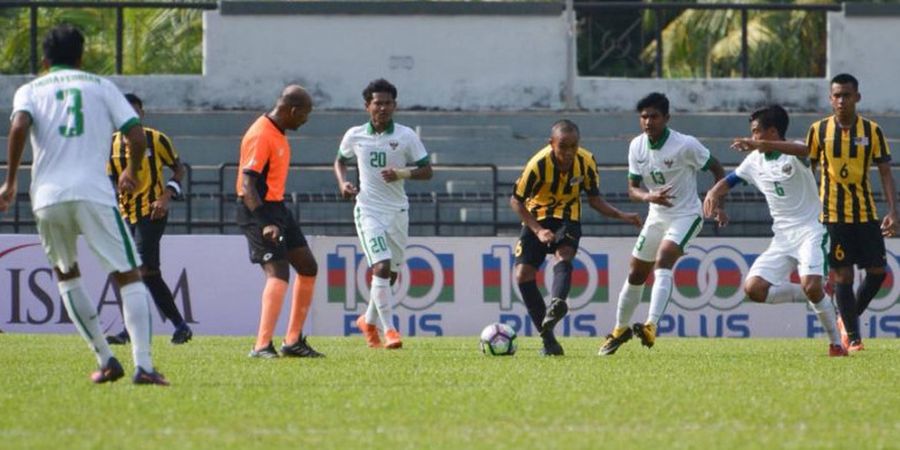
443,393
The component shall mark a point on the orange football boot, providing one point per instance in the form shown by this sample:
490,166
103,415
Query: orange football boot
370,332
392,339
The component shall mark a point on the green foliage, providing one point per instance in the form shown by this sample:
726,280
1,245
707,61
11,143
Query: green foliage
442,393
154,40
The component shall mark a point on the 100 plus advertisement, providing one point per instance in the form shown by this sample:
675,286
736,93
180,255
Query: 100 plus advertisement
446,287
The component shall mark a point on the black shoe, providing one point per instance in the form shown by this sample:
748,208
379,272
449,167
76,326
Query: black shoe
300,349
613,341
182,334
109,373
552,348
555,312
141,376
265,353
119,339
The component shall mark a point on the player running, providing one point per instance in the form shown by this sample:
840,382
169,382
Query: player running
781,171
667,162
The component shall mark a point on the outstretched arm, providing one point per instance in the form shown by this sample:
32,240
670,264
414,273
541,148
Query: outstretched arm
787,147
600,205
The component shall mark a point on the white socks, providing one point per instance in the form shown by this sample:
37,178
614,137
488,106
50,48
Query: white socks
84,316
380,295
371,312
785,293
136,306
659,296
825,312
629,298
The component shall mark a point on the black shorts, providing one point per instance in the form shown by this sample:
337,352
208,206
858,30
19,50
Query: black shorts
856,243
530,250
263,250
147,234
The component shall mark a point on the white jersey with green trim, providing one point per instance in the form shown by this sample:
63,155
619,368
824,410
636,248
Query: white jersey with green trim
396,147
74,115
673,162
789,186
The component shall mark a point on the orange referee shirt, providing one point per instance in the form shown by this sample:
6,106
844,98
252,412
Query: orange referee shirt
265,152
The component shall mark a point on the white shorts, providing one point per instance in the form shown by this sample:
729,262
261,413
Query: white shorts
679,230
383,235
102,227
804,249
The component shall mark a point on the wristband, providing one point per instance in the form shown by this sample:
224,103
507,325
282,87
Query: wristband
403,173
175,187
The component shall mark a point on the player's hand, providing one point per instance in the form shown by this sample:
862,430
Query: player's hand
272,233
7,196
348,190
389,175
721,217
160,207
889,225
127,182
745,145
633,218
545,236
710,205
661,196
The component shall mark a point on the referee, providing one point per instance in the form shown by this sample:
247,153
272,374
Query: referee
146,210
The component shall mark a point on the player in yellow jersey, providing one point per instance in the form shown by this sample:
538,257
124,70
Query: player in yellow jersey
547,198
845,145
146,210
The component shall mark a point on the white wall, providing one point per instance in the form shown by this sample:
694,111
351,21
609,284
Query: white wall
479,62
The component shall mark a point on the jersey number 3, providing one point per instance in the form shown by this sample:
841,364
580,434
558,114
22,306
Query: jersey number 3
75,119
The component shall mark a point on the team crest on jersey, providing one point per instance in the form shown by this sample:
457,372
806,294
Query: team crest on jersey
668,163
861,140
787,169
576,180
393,144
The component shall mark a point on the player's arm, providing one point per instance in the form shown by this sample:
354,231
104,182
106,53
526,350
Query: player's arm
636,193
347,188
714,203
787,147
543,234
254,204
889,223
137,146
715,167
160,207
600,205
424,172
15,146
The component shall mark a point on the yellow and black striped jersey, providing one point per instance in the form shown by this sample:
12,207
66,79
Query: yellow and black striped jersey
150,182
547,192
845,156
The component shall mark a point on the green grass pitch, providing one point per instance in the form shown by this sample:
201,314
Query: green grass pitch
443,393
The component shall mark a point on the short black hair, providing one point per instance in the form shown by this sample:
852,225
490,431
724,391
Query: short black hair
565,126
846,78
134,100
64,44
379,85
772,116
654,100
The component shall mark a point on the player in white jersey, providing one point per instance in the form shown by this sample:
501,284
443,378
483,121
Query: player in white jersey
781,171
667,162
71,115
382,149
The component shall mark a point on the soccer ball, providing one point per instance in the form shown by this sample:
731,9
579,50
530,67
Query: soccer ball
498,339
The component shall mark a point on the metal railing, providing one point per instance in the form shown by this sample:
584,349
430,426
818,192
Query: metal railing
659,10
119,7
209,204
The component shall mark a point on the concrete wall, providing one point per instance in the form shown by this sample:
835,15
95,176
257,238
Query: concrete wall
480,56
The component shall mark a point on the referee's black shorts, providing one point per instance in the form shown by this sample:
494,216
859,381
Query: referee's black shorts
859,244
261,249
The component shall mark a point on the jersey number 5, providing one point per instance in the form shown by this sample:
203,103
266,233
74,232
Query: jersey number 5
75,119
